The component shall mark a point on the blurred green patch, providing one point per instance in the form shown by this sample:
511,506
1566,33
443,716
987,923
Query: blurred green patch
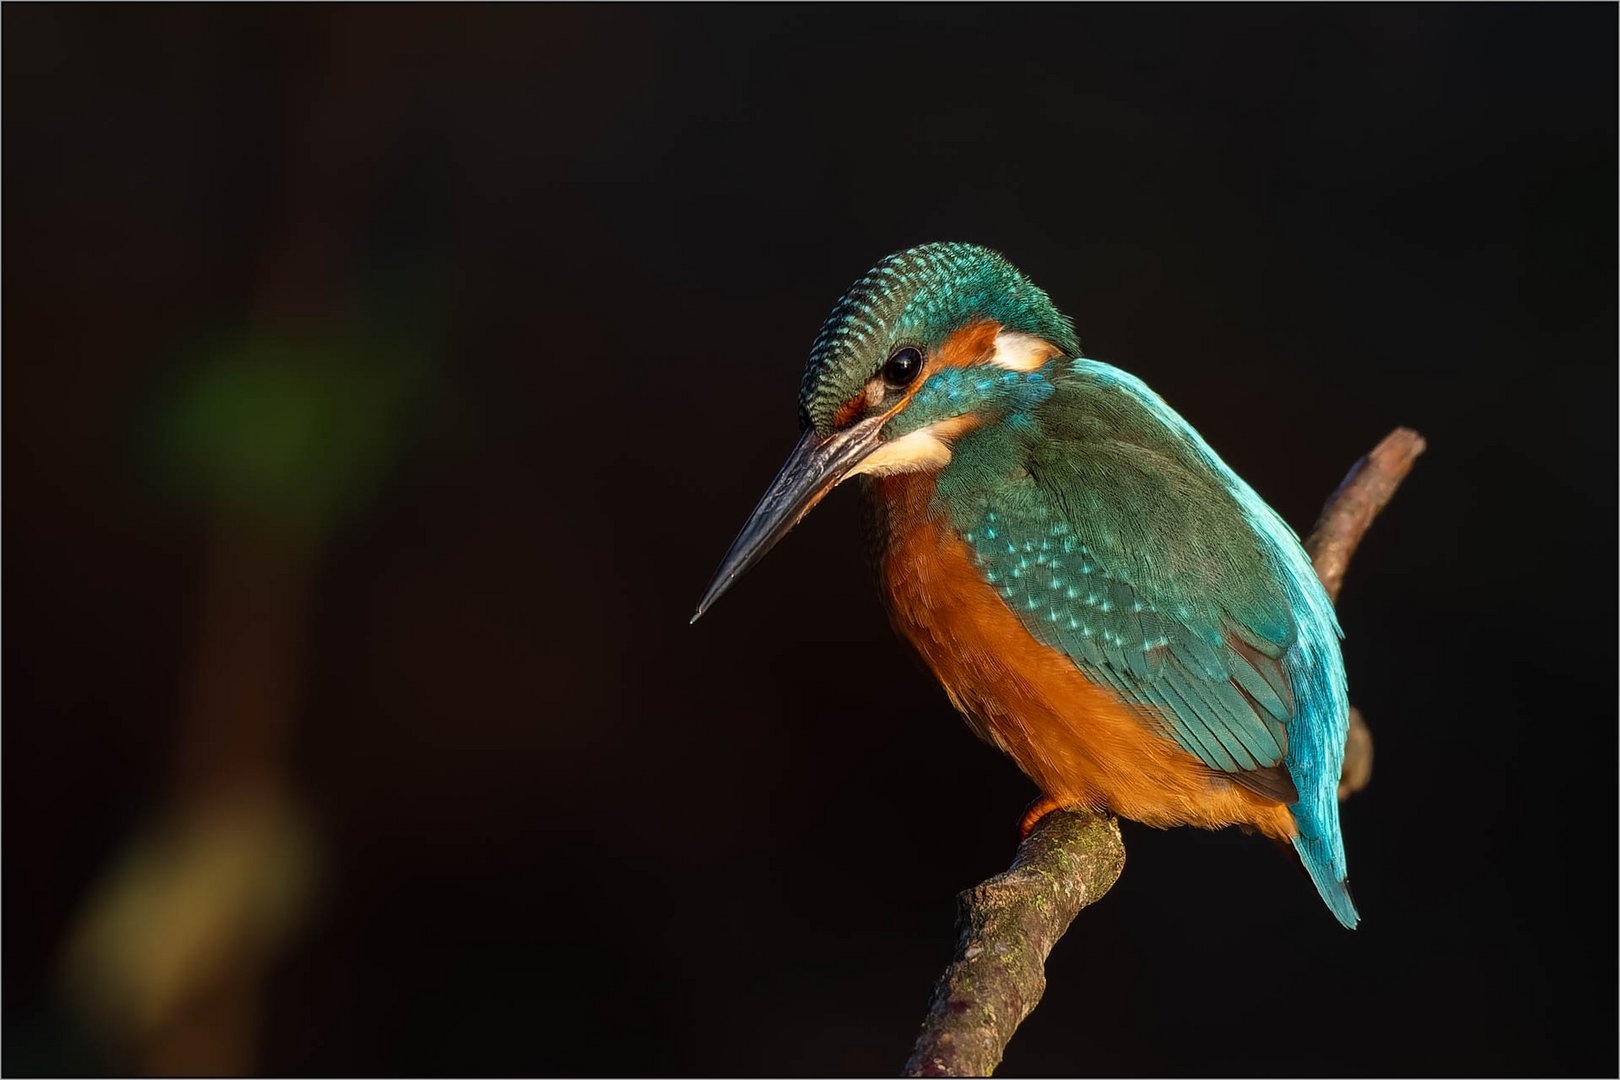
289,427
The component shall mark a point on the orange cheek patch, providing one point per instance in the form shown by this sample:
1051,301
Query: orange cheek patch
973,344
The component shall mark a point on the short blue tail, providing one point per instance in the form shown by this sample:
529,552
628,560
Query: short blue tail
1317,856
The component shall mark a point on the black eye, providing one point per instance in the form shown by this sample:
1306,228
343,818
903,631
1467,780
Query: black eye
902,367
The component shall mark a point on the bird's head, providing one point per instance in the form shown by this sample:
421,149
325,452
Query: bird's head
931,343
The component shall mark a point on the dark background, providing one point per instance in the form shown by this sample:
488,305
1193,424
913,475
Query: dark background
558,831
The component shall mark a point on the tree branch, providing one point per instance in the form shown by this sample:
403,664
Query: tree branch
1366,488
1008,925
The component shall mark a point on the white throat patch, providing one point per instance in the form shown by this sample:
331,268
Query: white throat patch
917,451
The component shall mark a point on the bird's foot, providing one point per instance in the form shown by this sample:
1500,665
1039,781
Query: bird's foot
1032,817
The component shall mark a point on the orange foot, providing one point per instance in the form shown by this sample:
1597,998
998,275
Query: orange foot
1032,817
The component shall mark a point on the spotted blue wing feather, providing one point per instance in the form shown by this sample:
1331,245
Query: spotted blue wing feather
1180,590
1116,632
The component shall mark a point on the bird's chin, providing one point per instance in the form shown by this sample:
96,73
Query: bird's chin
925,450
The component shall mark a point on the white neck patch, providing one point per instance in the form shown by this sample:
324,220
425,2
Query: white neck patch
1021,352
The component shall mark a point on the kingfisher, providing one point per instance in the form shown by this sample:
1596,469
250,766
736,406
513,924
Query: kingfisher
1101,596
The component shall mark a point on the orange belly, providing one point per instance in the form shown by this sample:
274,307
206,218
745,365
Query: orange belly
1076,740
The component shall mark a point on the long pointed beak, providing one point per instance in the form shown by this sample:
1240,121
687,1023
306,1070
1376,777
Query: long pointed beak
814,468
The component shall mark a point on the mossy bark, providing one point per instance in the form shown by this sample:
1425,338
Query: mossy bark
1008,927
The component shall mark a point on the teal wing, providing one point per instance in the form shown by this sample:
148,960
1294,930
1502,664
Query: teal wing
1144,572
1118,536
1215,682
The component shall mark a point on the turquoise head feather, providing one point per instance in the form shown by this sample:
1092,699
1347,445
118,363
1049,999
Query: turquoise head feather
918,297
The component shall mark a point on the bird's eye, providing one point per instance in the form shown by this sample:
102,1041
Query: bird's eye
902,367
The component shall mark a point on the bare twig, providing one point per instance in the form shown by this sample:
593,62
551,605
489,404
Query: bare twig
1008,925
1351,509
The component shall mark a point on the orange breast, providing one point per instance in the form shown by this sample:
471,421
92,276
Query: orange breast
1076,740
